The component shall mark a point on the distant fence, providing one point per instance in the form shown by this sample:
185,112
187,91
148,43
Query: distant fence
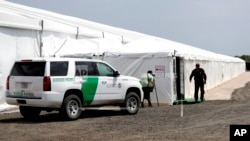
248,66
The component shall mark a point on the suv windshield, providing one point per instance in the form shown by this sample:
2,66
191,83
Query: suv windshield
28,69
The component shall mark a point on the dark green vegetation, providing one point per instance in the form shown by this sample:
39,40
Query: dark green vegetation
244,57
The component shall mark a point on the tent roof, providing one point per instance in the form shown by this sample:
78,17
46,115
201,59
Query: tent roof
56,22
150,44
19,16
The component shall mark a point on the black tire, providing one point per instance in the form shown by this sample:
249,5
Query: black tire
132,103
71,108
30,112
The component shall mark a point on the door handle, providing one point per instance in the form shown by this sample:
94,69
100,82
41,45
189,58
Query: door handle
81,81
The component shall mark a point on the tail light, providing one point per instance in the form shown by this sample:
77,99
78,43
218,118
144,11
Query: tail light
46,84
8,83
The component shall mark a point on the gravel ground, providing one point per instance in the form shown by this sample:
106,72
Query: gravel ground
209,121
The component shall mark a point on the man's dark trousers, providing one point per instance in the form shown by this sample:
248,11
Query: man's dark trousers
199,85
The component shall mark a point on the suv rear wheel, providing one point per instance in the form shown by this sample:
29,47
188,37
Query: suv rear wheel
71,107
132,103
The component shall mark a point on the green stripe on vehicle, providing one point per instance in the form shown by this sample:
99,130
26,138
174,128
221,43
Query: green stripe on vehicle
89,88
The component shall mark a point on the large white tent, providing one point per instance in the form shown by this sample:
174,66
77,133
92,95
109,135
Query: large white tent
28,32
172,64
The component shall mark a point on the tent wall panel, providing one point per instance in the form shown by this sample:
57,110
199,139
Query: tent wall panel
27,44
137,65
15,43
53,42
217,72
7,55
76,48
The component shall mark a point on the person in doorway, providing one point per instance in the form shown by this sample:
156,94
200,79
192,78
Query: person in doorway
200,78
147,82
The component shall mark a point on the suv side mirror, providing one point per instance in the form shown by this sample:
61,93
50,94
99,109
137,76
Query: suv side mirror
117,73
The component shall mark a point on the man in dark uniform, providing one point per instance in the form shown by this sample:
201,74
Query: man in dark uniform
200,78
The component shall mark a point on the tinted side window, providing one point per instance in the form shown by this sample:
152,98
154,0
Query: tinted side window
59,68
85,68
105,70
28,69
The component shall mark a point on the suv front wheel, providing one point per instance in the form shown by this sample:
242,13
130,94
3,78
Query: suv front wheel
132,103
71,107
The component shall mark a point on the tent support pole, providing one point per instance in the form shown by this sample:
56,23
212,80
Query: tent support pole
77,33
41,40
156,96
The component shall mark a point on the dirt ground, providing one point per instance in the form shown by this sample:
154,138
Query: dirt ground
208,121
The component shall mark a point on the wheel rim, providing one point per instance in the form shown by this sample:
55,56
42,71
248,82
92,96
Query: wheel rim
73,108
132,104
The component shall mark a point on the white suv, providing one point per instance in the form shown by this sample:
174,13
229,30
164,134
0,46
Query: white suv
68,85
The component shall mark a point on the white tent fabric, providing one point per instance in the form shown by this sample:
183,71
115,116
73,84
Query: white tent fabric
90,46
138,63
15,43
159,55
29,32
150,44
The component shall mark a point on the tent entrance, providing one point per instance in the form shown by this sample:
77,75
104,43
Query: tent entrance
180,85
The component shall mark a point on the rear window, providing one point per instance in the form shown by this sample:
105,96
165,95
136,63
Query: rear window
28,69
59,68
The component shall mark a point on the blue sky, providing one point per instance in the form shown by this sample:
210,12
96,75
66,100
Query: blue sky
221,26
